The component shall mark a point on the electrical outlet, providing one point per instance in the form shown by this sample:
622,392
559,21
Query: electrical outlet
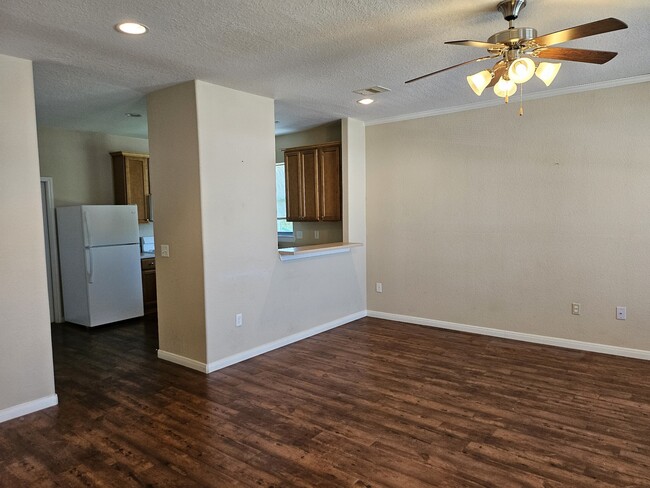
316,234
298,234
379,288
239,320
621,313
575,308
164,250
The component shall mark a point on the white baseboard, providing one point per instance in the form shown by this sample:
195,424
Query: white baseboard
183,361
28,407
285,341
517,336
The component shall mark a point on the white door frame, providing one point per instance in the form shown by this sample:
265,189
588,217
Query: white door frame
50,225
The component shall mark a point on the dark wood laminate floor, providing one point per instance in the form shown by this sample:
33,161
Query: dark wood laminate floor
373,403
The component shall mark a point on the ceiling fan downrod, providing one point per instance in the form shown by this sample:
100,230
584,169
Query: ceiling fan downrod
511,8
512,36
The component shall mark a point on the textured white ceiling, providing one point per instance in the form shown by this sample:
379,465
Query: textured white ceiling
306,54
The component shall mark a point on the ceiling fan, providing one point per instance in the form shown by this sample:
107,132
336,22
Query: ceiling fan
516,46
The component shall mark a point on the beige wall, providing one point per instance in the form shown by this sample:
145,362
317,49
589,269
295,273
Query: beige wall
328,231
318,135
236,238
486,218
26,372
80,164
173,138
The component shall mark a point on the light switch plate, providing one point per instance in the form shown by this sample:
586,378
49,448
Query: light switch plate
164,250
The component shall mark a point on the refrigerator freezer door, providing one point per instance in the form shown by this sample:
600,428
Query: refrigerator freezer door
109,225
116,289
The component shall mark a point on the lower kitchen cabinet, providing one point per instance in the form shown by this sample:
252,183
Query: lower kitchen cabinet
149,285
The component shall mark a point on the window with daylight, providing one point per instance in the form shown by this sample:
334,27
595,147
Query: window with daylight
285,229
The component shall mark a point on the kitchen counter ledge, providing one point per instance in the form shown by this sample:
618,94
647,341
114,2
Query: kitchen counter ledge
290,253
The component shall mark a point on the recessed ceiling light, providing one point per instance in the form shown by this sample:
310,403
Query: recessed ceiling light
132,114
131,28
365,101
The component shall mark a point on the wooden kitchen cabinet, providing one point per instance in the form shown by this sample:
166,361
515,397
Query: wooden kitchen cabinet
131,182
313,183
149,297
329,189
301,174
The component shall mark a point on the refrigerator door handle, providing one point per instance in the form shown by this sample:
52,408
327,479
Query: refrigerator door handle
87,242
89,264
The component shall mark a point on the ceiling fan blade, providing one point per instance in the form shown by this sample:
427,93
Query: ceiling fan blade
579,55
485,45
498,71
452,67
579,31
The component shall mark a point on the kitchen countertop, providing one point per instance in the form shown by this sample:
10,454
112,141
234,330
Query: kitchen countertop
147,255
290,253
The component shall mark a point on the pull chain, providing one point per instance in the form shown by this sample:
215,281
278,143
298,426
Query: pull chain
521,101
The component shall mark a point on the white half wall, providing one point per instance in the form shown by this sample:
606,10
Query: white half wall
215,179
26,369
499,221
242,269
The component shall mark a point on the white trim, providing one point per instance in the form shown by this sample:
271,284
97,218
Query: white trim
28,407
54,249
183,361
285,341
531,96
517,336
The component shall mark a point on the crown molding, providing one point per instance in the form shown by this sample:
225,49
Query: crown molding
496,102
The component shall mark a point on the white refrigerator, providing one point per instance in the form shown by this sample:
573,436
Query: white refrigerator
100,263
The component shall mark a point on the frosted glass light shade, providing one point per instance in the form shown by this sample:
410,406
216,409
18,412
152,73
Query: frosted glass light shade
134,28
479,81
505,88
521,70
547,72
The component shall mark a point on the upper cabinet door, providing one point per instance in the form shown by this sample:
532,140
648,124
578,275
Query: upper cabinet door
309,160
330,183
131,182
293,185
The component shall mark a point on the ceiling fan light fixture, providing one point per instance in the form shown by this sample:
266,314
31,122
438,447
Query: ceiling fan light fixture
547,72
505,88
521,70
479,81
515,47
